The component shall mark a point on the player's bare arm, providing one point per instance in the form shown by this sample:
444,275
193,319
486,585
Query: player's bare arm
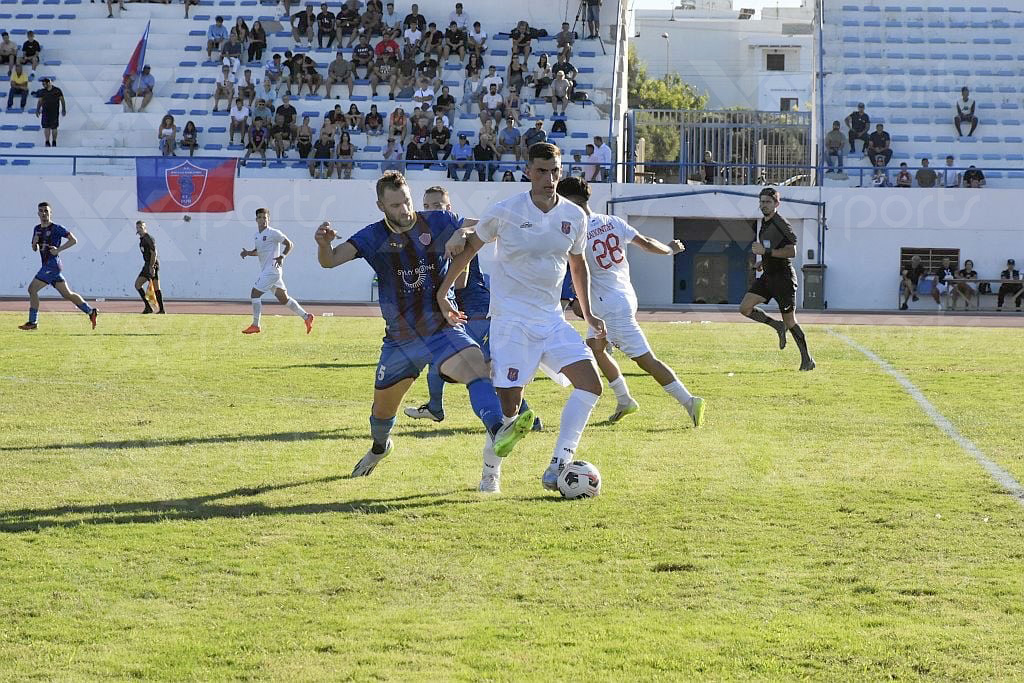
248,252
69,242
459,264
328,256
581,282
649,244
457,242
287,244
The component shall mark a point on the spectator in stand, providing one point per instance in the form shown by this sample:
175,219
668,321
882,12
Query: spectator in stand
264,110
231,52
592,165
910,276
428,67
593,18
440,139
166,134
950,176
485,157
879,145
354,119
388,46
239,121
216,35
247,88
492,105
310,76
413,38
565,39
472,90
973,177
340,71
394,156
1010,285
287,9
433,42
49,108
709,168
570,71
414,19
224,89
522,40
190,138
258,139
414,151
858,122
392,19
31,50
492,78
128,92
323,152
273,72
257,42
287,111
346,22
943,275
462,155
419,123
406,79
925,176
19,87
881,174
965,289
362,57
8,52
510,140
560,93
281,136
458,17
604,153
903,178
965,112
514,105
835,143
424,95
454,42
344,154
188,4
541,77
384,71
302,25
516,72
325,26
533,136
475,64
477,40
369,24
445,103
304,138
398,126
373,124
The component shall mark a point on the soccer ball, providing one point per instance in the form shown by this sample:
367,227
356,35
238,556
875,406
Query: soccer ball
579,479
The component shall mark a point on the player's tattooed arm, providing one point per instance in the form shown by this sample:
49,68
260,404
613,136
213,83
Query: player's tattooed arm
328,256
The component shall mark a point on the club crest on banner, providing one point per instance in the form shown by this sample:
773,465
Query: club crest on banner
185,183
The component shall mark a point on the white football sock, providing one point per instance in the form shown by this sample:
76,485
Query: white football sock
257,309
621,390
294,306
679,392
492,463
574,418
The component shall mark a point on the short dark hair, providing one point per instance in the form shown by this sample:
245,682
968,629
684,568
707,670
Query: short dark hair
769,192
42,204
262,209
438,189
543,150
391,180
573,187
218,18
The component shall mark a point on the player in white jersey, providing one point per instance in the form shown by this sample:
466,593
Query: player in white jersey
268,249
613,299
536,234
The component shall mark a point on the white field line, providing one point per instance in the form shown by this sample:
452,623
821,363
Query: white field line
1004,478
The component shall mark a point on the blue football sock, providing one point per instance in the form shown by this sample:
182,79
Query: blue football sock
85,308
485,403
523,406
33,315
380,430
436,387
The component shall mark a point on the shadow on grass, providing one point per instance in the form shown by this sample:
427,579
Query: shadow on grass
327,366
115,334
327,435
206,507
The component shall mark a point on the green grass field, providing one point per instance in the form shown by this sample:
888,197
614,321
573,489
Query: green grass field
175,506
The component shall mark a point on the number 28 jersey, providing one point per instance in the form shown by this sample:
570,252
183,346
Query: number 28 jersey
607,239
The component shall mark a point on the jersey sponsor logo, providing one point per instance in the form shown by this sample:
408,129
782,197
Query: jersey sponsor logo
414,278
425,239
185,183
566,227
526,226
513,374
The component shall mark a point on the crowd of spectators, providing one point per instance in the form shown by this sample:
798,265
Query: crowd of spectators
958,284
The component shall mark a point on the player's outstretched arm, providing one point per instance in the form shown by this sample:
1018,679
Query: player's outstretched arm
328,256
581,283
654,246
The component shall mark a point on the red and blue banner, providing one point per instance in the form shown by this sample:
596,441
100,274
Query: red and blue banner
134,67
173,185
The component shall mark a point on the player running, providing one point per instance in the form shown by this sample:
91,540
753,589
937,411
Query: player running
474,298
46,239
776,245
268,248
537,234
407,252
614,300
150,268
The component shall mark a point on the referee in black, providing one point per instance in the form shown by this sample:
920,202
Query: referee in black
776,245
150,268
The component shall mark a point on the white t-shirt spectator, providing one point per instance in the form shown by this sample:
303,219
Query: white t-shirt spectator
604,155
592,167
413,35
965,107
228,79
239,114
495,79
493,101
427,92
478,36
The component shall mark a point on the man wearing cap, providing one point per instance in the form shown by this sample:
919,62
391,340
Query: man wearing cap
1011,285
143,87
49,108
462,154
858,122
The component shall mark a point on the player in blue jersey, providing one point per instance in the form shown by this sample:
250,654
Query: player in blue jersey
474,299
46,239
407,252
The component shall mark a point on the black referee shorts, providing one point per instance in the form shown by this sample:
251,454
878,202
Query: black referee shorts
778,286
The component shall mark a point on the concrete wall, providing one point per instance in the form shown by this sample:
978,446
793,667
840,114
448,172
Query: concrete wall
199,259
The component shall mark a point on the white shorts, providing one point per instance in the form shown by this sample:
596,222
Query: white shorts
624,332
269,280
518,348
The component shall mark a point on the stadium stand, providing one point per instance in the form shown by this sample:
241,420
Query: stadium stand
907,62
84,53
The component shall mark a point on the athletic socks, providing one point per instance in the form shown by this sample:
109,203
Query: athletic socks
142,295
679,392
574,418
485,403
257,310
160,300
523,406
759,316
492,463
621,390
33,315
295,308
380,430
435,385
85,308
801,341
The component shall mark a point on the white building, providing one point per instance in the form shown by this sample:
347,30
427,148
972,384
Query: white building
763,64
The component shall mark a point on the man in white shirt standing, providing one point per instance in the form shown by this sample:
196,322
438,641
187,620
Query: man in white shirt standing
537,233
604,154
268,249
614,300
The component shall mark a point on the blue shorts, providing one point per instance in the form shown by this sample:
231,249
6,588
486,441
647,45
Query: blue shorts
480,332
406,359
593,12
50,276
